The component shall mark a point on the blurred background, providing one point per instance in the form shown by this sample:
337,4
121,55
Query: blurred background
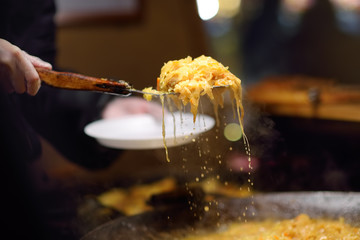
299,65
298,61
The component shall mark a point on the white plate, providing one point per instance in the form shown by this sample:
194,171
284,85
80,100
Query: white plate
143,131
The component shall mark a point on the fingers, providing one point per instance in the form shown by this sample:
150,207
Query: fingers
17,69
13,79
26,67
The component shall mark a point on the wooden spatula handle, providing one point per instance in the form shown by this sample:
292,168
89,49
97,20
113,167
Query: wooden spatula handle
76,81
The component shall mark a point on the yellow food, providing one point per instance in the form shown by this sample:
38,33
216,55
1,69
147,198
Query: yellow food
133,200
300,228
193,78
212,186
149,90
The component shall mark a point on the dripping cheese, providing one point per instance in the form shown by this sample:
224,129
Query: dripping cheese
192,78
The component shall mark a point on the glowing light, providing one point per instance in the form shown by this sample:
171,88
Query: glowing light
229,8
348,4
207,9
232,132
297,6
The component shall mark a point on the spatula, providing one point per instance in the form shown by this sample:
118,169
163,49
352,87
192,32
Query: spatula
75,81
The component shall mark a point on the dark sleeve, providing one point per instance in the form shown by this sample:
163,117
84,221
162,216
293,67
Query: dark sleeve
29,24
60,117
57,115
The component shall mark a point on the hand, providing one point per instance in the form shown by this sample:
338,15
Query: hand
17,69
120,107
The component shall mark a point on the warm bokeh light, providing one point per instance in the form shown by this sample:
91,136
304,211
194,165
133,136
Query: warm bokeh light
297,6
347,4
207,9
233,132
229,8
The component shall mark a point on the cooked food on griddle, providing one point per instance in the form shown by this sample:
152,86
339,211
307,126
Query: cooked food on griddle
300,227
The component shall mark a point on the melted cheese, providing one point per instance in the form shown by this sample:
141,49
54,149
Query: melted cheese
300,227
192,78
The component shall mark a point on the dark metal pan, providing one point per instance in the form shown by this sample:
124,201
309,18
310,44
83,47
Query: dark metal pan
176,222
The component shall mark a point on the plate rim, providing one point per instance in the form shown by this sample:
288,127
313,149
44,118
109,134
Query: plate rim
210,123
